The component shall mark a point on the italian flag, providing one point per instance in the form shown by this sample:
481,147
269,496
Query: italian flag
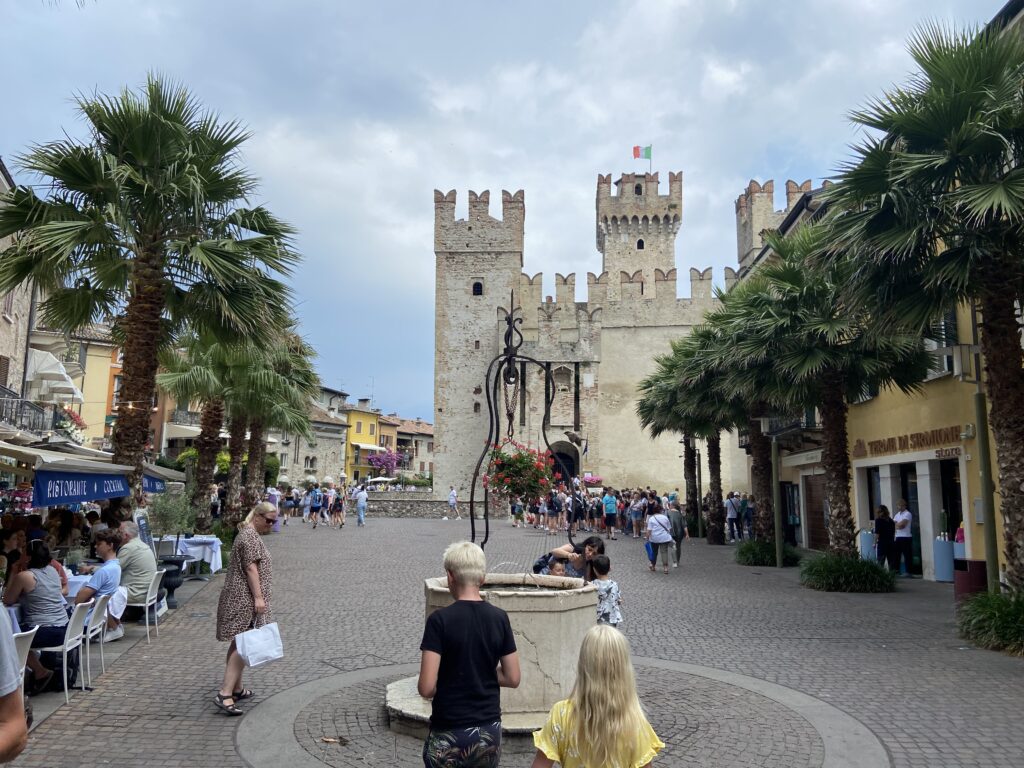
642,153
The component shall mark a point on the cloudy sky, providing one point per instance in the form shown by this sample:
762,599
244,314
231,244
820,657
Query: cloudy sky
361,110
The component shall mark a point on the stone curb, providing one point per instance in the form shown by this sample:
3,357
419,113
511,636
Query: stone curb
848,742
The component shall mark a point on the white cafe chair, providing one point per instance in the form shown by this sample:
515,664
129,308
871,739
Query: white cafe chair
74,636
152,598
22,645
96,628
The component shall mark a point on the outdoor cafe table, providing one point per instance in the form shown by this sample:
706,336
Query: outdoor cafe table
75,583
204,548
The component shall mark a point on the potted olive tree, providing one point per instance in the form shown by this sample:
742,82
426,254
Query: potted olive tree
171,514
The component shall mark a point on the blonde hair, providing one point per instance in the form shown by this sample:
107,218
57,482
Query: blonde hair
608,717
263,508
466,562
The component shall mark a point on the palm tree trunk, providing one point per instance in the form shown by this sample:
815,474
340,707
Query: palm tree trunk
1001,346
690,478
716,512
835,459
761,482
255,465
207,447
143,330
236,450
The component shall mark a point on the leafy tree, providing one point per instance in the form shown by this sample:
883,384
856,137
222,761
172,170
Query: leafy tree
144,222
933,204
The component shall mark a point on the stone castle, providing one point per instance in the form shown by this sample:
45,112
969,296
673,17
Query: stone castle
597,350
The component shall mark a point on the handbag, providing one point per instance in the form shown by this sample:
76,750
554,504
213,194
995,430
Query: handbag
651,551
260,645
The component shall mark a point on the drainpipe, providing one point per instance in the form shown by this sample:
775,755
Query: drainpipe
28,337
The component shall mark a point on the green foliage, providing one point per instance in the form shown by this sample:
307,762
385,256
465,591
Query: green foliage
271,469
226,533
419,481
762,554
172,513
189,456
841,573
995,622
163,461
186,458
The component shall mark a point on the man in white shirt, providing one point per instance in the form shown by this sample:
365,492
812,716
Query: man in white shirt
13,731
453,503
904,536
362,497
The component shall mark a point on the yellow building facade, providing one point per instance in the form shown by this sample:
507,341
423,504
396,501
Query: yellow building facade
363,440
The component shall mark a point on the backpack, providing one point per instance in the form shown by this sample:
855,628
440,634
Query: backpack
54,661
316,498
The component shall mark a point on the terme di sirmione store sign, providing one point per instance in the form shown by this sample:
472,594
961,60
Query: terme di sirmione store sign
937,439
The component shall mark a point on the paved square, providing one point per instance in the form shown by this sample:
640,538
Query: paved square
350,605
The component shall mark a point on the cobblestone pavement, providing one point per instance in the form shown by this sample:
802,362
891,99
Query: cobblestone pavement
353,599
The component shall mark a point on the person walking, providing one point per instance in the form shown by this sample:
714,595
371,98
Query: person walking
453,503
468,653
732,517
904,537
602,723
679,531
362,499
659,533
245,600
885,535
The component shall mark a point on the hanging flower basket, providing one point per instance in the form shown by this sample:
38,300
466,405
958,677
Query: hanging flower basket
515,470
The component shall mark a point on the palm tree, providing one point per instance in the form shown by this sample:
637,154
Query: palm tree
933,202
285,390
825,352
196,373
144,223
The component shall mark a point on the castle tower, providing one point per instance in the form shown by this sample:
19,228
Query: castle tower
636,228
478,263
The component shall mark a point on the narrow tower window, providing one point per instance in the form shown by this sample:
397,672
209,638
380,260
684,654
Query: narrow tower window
476,407
640,244
638,190
478,288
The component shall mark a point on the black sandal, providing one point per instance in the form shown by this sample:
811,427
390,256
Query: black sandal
245,693
228,709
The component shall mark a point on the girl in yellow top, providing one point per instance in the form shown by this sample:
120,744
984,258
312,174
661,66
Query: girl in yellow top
601,724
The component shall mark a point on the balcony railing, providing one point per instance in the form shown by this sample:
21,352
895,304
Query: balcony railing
188,418
22,414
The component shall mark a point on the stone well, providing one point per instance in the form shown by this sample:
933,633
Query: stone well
549,617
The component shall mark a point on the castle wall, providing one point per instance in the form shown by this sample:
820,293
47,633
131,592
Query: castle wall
478,250
598,350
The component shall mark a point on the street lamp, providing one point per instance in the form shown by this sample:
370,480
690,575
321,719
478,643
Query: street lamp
776,491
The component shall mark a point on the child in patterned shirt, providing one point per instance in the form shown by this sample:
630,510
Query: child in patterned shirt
609,601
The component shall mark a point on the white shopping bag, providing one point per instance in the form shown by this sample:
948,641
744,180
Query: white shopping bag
260,645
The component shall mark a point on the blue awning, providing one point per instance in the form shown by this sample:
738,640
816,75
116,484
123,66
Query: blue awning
52,487
152,484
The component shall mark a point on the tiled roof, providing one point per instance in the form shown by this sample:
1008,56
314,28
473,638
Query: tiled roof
416,427
318,414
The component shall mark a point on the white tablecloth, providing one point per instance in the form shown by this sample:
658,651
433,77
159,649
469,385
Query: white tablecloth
75,583
205,548
12,611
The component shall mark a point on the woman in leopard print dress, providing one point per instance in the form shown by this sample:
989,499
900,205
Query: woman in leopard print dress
244,599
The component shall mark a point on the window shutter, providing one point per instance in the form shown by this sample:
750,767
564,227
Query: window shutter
5,369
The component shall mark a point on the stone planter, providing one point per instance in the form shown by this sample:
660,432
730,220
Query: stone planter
174,564
549,617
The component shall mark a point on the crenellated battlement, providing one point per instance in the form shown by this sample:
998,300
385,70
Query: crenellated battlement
637,209
479,232
755,213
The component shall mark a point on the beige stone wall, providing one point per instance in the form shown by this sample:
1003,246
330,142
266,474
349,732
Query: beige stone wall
14,321
479,250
